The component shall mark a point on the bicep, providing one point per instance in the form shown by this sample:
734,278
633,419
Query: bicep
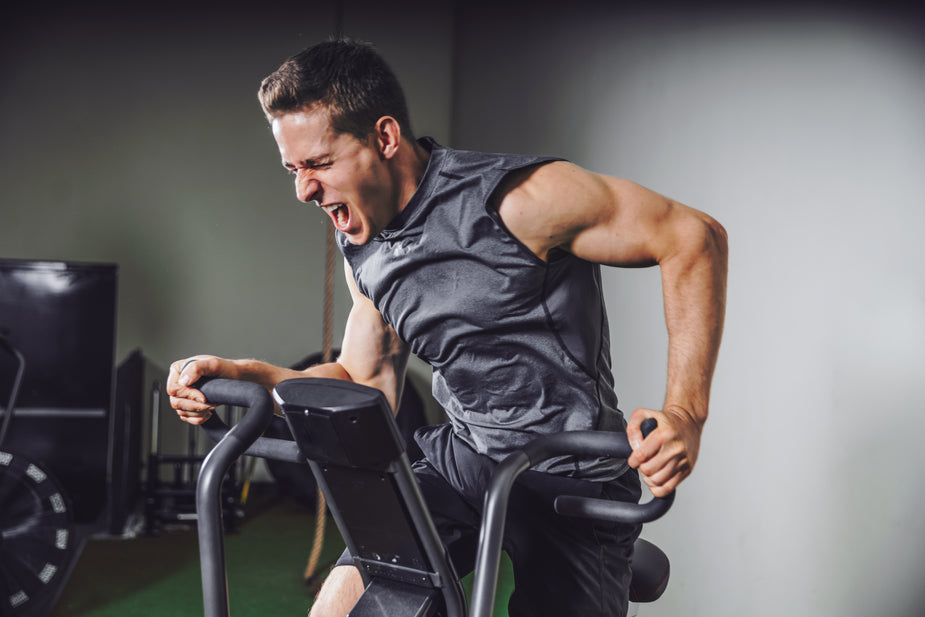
633,226
372,352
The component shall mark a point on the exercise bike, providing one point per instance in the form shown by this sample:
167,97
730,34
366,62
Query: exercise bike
346,434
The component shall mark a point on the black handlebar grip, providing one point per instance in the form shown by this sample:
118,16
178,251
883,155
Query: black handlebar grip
255,398
648,425
616,511
232,392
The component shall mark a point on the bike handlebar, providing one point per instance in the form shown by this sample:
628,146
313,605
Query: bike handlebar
264,447
578,443
232,443
244,438
597,443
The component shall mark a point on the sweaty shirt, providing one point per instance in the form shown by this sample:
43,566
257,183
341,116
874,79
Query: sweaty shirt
519,346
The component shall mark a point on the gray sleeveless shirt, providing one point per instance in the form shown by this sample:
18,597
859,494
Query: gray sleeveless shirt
518,346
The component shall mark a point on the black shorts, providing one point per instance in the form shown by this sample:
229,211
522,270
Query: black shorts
562,566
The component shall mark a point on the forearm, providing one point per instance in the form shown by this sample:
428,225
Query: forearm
694,287
269,375
374,358
193,407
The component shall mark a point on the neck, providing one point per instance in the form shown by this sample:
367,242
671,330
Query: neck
410,165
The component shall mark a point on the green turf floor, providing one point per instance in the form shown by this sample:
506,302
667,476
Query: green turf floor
159,576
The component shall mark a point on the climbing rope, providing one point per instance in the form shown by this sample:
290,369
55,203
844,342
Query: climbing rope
326,346
327,335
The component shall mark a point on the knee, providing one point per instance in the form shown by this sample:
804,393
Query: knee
339,593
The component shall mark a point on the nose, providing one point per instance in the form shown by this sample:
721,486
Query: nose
307,188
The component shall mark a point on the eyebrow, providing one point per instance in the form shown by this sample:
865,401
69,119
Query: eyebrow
321,160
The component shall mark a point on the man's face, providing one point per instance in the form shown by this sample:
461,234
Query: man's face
343,175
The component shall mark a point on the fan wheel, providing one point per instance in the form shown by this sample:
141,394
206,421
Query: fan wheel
37,539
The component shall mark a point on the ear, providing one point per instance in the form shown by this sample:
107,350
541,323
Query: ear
388,136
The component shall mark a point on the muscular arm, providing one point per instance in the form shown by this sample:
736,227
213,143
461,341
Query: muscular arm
371,354
620,223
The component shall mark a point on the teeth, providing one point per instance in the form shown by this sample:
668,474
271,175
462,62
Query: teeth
339,211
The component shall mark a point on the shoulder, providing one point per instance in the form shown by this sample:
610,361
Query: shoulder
547,205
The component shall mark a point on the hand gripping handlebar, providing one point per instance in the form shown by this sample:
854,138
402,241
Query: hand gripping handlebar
576,443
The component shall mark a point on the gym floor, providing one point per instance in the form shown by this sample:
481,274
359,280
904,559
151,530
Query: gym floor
160,575
145,576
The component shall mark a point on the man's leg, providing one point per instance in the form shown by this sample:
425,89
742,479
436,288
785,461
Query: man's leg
567,566
340,591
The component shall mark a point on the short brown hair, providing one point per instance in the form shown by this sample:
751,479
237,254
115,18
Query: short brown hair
348,77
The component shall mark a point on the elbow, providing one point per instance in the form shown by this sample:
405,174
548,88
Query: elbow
328,370
699,237
689,236
716,239
700,246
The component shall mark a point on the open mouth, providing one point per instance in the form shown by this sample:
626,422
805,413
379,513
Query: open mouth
339,214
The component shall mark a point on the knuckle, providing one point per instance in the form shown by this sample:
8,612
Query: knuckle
660,491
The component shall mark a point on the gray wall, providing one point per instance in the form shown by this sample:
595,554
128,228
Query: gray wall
803,131
135,138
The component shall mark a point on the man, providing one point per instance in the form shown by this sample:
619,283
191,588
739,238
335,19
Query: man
487,267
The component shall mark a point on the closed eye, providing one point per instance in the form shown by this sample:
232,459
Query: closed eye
311,166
